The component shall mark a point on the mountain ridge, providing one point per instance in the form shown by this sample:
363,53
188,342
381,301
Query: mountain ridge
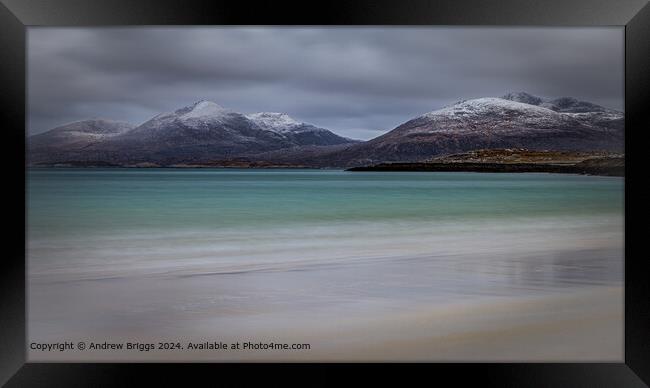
488,123
204,132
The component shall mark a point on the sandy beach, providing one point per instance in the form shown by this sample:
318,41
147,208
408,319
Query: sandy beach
582,326
369,267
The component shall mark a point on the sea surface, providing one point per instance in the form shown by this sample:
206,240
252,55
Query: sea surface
225,253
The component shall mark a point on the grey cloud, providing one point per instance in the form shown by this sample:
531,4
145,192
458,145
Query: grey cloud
357,81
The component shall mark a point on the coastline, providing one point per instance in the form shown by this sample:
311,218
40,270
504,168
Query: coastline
409,267
385,167
514,161
497,168
480,161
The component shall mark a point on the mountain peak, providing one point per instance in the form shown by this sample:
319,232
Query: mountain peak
560,104
204,102
524,97
200,108
486,105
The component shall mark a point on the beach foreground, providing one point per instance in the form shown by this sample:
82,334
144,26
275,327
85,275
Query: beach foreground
584,326
346,266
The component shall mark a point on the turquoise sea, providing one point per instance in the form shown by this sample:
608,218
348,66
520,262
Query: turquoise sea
64,202
124,251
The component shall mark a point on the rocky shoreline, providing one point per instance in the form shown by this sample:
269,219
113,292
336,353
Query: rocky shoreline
485,160
598,166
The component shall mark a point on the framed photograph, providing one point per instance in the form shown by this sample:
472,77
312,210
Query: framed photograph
440,185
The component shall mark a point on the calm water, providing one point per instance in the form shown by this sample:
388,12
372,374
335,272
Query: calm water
135,250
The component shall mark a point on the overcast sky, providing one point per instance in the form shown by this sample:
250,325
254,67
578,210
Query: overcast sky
359,82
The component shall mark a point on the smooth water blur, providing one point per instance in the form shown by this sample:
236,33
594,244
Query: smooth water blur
145,245
65,202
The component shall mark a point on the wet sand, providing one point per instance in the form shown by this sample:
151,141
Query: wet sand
585,325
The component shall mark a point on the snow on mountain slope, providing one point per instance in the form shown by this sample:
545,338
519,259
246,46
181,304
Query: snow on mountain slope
464,115
518,121
201,131
205,131
204,109
586,112
276,122
561,104
201,114
301,134
79,134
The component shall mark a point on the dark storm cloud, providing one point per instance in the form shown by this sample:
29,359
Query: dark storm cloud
359,82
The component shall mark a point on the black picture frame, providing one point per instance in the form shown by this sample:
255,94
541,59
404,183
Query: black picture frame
17,15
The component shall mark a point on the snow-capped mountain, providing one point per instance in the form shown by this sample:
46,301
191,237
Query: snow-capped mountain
301,134
201,131
276,122
205,131
79,133
562,104
516,120
202,128
202,114
588,112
